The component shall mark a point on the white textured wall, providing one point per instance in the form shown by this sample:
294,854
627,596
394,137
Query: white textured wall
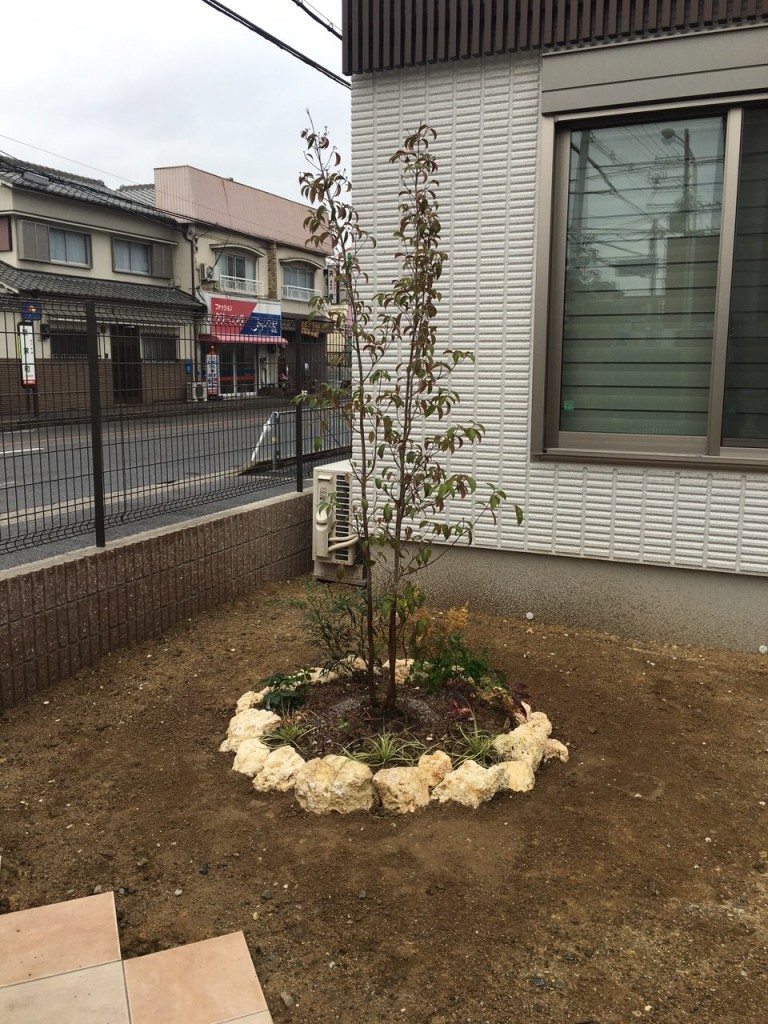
486,113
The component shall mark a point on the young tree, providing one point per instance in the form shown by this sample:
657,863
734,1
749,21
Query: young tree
401,402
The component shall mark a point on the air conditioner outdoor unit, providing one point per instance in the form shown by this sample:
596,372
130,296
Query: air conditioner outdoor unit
197,391
207,272
335,547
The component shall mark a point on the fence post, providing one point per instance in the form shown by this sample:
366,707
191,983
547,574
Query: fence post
97,452
300,382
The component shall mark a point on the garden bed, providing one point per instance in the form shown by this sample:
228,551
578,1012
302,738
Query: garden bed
629,884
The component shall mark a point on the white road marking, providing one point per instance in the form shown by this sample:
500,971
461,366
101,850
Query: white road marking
19,451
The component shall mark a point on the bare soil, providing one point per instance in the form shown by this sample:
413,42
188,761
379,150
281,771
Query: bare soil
629,884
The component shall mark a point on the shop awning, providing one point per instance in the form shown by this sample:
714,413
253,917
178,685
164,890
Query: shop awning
229,336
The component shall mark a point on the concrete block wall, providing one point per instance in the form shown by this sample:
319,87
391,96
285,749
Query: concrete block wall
65,613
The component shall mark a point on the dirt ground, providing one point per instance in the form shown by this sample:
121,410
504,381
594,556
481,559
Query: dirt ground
629,884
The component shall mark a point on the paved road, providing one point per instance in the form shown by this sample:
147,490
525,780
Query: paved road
158,469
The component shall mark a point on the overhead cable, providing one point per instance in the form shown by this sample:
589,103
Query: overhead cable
315,15
222,9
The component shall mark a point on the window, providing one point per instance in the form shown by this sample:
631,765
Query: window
238,274
153,259
659,286
67,344
158,348
298,281
68,247
47,244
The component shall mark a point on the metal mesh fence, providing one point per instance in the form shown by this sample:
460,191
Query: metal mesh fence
114,415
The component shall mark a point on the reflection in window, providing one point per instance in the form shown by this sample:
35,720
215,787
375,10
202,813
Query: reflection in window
745,409
643,231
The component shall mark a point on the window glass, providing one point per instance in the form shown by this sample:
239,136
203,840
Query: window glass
132,257
745,409
644,206
68,246
69,344
158,348
299,277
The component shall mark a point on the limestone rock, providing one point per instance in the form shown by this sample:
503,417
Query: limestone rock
434,767
525,743
248,725
250,757
469,785
279,770
251,699
555,750
516,776
401,790
322,675
335,783
403,668
539,722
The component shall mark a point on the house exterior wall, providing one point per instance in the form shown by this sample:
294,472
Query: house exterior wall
102,225
487,115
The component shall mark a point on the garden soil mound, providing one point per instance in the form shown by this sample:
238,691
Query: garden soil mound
629,884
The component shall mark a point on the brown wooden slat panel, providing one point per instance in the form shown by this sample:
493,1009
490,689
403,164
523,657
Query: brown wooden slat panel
490,8
610,28
418,34
397,33
598,24
509,27
535,24
523,14
391,33
573,22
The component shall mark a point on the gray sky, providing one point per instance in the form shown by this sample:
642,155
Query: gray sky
126,87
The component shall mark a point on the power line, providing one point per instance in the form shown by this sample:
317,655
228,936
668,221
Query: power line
315,15
229,13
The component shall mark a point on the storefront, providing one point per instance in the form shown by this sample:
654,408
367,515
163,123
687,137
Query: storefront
241,349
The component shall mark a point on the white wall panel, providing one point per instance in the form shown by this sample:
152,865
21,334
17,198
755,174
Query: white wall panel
486,113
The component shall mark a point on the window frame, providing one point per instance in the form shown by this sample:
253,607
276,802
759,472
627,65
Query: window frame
548,441
160,257
67,262
299,265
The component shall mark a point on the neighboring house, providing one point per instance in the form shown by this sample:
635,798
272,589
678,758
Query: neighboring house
65,239
604,202
252,267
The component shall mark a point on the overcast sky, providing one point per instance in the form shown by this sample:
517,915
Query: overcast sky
128,87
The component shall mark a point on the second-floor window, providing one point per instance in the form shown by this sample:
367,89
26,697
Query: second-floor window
68,247
298,281
238,274
47,244
153,259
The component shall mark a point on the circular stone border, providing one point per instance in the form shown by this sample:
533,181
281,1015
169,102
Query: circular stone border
339,783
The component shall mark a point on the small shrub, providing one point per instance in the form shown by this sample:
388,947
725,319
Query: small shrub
287,691
290,733
387,750
474,745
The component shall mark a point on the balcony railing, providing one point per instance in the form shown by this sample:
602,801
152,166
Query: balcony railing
293,291
244,285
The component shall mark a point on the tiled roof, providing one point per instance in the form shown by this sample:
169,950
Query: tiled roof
65,286
140,193
37,178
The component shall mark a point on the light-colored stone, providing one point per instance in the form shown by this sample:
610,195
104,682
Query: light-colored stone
335,783
250,757
555,750
248,725
279,770
539,722
434,767
251,699
516,776
525,743
470,785
322,675
403,668
401,790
